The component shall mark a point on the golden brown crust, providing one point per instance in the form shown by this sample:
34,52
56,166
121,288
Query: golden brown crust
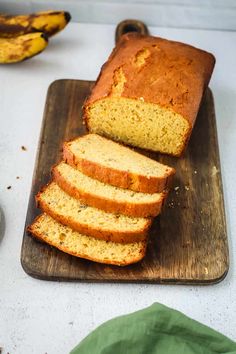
44,238
174,75
111,206
118,178
107,235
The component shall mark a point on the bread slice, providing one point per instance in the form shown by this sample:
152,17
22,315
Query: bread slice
113,163
65,239
91,221
106,197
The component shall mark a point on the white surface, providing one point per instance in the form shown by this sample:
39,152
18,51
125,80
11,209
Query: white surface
38,317
207,14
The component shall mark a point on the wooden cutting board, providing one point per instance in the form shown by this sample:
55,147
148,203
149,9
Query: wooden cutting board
188,241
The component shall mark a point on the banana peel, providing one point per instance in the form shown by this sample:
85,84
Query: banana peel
13,50
48,22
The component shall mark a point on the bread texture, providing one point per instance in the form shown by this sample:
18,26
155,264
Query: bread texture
115,164
148,93
88,220
106,197
46,229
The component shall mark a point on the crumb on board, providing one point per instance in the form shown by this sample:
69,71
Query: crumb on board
17,177
23,148
186,188
186,244
214,171
176,188
195,172
9,187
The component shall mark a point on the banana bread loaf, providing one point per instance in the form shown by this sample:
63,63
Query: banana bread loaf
149,92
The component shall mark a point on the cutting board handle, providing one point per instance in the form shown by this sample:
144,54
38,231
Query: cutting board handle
130,26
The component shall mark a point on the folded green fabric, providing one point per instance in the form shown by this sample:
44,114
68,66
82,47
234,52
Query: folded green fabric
155,330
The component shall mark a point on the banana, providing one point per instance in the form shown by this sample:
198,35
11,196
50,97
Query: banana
48,22
13,50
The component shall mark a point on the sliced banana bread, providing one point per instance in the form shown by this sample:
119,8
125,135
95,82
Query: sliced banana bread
65,239
113,163
106,197
148,93
91,221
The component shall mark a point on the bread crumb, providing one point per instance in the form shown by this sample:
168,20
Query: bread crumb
17,177
214,171
176,188
141,99
186,244
23,148
186,188
9,187
195,172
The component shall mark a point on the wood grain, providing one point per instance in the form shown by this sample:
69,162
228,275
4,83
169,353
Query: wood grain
188,241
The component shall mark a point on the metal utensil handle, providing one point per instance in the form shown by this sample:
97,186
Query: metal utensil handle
130,26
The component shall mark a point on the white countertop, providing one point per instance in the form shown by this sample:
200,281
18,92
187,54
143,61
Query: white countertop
38,317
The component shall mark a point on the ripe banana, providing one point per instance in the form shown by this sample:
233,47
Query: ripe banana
48,22
13,50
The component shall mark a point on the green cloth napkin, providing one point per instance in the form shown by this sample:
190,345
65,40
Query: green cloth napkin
155,330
